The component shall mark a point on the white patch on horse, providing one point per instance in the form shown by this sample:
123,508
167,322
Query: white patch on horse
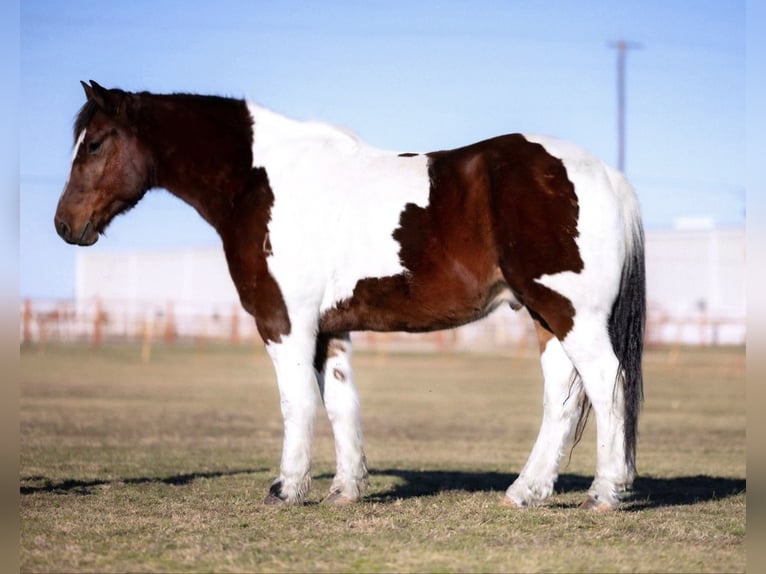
337,202
598,223
299,398
77,145
560,409
342,404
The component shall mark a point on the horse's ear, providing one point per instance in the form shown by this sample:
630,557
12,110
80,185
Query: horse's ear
110,101
88,90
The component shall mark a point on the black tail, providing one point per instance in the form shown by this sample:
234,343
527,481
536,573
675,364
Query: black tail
626,331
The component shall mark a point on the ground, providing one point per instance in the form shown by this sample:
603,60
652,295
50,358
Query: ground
162,466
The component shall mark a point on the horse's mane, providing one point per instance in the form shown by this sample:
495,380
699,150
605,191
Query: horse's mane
89,108
84,116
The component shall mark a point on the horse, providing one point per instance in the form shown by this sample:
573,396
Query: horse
324,235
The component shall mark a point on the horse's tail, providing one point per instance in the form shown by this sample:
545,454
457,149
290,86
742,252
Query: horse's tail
628,317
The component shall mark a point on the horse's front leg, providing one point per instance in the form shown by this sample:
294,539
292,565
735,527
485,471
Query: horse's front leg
293,359
341,402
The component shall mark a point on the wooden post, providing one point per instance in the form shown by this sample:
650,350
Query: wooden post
27,322
97,320
146,340
234,326
200,334
170,324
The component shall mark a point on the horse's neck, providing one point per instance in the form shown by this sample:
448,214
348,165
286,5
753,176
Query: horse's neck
202,151
208,162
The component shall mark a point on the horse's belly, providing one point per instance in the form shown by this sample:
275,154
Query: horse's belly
406,303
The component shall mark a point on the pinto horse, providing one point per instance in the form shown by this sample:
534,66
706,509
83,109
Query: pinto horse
324,234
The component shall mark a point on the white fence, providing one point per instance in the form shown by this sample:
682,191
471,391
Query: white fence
95,321
695,289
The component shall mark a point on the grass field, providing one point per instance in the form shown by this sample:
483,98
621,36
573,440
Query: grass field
163,466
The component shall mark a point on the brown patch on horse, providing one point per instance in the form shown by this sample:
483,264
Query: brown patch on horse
339,375
449,252
544,335
246,244
502,203
336,347
329,345
536,212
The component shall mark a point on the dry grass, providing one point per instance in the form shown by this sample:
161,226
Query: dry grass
162,467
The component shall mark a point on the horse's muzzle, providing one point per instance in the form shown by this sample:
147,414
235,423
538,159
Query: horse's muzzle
85,235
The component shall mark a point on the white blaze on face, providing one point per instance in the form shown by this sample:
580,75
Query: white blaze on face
337,203
77,144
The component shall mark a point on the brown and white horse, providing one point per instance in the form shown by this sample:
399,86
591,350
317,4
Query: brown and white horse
324,235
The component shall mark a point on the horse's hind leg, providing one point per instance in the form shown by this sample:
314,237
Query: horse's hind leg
589,347
561,409
342,405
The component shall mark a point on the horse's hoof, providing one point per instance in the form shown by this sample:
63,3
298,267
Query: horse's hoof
595,505
509,502
338,499
275,497
273,500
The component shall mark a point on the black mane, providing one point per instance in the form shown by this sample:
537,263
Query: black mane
89,108
84,116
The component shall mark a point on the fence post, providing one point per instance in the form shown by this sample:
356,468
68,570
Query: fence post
97,320
234,325
170,324
27,322
146,342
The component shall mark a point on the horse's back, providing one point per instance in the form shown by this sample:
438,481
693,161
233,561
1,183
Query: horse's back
424,241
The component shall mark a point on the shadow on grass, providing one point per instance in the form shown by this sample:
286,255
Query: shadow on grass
648,491
69,485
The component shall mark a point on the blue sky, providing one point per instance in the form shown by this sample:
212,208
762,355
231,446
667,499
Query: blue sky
402,75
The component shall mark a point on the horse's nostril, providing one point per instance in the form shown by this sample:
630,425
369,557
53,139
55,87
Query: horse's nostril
63,229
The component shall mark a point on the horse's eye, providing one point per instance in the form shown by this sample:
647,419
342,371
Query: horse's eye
94,146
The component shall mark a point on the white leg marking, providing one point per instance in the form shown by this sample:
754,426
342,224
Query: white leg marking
604,200
293,361
342,404
590,349
560,412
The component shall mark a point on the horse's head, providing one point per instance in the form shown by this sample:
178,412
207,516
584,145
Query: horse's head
111,169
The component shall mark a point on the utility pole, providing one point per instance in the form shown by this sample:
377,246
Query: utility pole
622,48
